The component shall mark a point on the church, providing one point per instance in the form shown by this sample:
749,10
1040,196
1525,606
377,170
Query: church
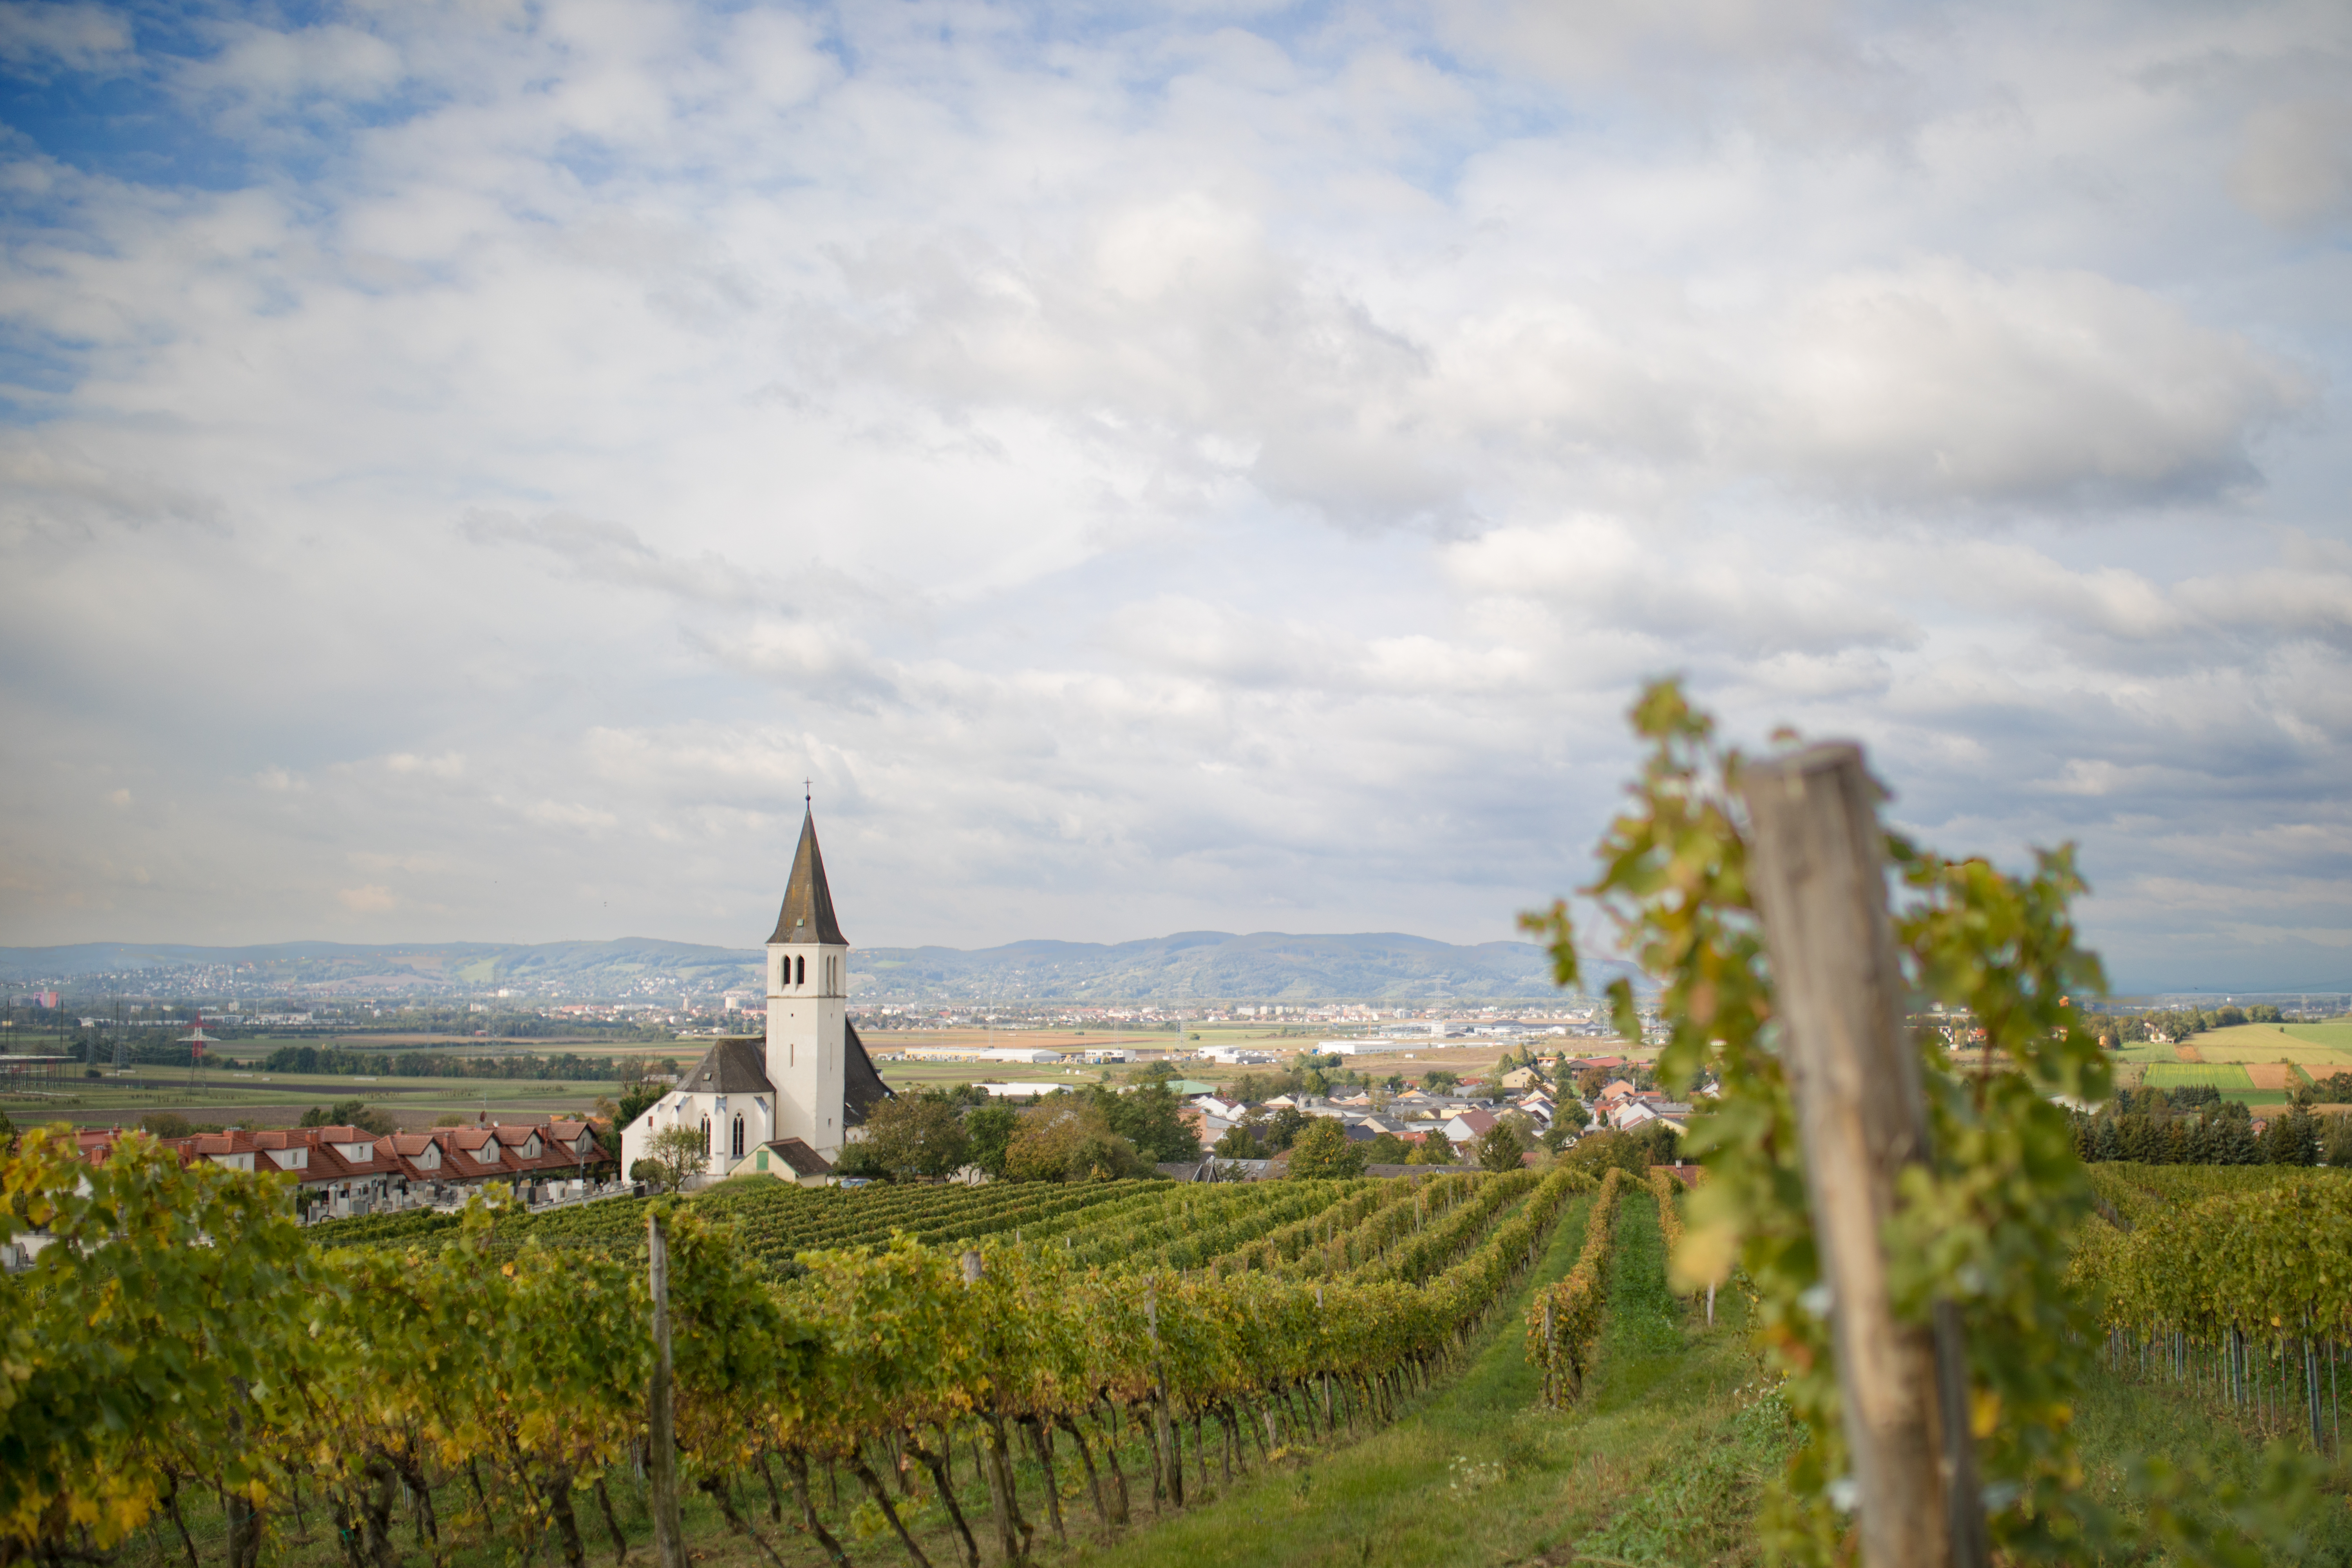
783,1103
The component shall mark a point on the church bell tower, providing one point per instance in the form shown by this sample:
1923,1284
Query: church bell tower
808,991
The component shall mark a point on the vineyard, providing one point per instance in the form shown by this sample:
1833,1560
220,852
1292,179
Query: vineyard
485,1378
945,1374
1326,1229
2232,1283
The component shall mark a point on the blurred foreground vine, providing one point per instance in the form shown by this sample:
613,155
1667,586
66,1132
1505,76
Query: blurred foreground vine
1989,1225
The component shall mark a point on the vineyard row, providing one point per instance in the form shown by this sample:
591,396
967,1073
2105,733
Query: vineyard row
495,1386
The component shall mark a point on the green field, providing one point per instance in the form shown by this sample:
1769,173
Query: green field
2222,1076
2322,1048
278,1099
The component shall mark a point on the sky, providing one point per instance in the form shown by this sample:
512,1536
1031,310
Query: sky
464,466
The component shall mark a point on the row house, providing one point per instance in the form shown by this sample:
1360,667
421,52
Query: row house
352,1165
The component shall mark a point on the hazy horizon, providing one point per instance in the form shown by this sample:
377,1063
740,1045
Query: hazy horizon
1229,468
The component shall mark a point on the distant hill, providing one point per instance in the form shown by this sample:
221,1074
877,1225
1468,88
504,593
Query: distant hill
1270,966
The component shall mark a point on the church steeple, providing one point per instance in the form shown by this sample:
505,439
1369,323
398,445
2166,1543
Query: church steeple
807,915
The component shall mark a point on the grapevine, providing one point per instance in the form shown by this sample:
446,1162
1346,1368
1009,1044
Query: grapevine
1564,1319
494,1373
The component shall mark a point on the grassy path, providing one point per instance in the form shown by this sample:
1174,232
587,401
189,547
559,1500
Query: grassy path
1662,1461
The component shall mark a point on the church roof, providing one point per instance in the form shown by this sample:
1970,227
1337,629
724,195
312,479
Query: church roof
807,914
862,1088
799,1158
735,1066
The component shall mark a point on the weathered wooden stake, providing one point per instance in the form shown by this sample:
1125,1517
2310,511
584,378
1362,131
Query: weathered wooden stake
1817,866
669,1538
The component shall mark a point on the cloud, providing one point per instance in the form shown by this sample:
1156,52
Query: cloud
369,900
1185,469
1946,383
260,70
38,37
609,552
2294,162
442,767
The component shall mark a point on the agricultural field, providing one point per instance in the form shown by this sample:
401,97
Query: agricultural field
951,1075
2320,1047
239,1098
2229,1080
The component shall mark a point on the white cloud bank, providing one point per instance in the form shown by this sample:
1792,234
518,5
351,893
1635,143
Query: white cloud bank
469,465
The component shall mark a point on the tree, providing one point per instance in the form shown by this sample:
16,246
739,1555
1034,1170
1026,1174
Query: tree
1500,1149
1572,1115
2233,1138
350,1113
2291,1140
1659,1143
1239,1144
1322,1150
1596,1152
2337,1148
917,1135
676,1153
1437,1080
166,1124
990,1128
1152,1119
1387,1149
1067,1138
1283,1128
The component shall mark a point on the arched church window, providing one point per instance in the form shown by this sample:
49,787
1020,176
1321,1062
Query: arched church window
737,1150
801,966
705,1136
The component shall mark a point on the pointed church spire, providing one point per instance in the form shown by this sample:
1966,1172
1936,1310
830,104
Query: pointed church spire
808,903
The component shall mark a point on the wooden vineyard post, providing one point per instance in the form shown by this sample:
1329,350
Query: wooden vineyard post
1817,866
661,1467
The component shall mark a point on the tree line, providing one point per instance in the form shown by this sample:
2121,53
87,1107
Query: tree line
336,1060
2194,1125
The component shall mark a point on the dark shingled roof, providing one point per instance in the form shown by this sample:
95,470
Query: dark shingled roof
738,1065
807,914
862,1088
803,1160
